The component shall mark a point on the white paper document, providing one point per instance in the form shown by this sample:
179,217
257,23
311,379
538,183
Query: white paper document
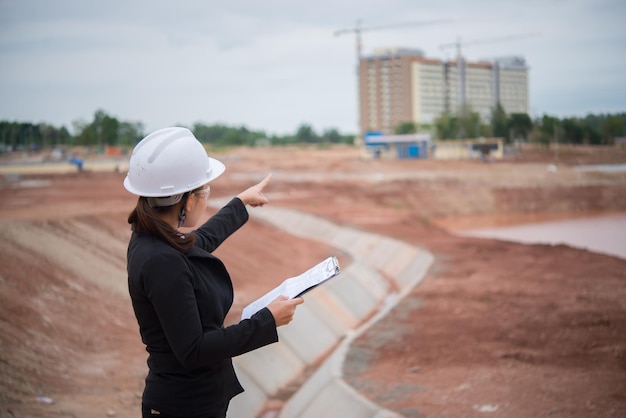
296,286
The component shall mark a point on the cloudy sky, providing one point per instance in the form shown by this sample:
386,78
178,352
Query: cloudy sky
275,64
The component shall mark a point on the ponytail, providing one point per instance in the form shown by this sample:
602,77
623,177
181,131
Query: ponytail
145,218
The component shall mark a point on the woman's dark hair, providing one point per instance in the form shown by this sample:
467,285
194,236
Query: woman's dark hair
145,218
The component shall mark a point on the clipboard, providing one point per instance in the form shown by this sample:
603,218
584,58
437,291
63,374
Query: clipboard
297,286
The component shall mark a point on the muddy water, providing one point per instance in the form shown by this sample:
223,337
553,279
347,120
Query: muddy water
602,234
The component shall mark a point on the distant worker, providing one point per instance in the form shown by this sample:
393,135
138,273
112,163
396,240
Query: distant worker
180,292
78,162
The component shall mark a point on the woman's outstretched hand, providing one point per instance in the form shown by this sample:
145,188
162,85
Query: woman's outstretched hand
254,196
283,309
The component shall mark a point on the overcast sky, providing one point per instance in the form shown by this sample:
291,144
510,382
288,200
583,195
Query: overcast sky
274,64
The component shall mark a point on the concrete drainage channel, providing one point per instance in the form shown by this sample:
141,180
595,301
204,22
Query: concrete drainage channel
382,272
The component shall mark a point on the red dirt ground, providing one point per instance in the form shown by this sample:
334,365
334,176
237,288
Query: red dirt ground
495,329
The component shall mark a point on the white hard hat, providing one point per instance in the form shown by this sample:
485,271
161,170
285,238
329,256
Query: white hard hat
168,162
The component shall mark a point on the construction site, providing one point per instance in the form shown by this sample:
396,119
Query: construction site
397,85
421,322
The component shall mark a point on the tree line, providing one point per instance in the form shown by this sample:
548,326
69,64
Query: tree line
106,130
592,129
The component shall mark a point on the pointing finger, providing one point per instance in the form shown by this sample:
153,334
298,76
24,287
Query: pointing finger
266,180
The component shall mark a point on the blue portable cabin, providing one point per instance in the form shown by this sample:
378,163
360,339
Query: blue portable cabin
398,146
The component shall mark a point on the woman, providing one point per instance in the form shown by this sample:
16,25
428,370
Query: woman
180,292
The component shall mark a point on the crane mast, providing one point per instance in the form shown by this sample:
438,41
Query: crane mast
358,29
460,61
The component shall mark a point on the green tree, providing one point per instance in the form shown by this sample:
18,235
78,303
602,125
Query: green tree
210,134
611,127
520,125
405,128
591,135
106,130
469,122
549,125
573,131
82,134
48,135
130,133
499,122
279,140
90,133
548,129
331,135
222,135
20,136
64,136
446,126
306,134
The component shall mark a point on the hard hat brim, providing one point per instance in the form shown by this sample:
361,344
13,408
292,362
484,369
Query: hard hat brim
217,169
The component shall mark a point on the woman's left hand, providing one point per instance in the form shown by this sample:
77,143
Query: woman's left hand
254,196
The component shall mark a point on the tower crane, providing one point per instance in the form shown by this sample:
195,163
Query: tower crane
358,30
460,61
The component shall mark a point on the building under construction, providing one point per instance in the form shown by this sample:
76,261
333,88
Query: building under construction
401,85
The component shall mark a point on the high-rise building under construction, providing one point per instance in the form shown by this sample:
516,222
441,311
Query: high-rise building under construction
401,85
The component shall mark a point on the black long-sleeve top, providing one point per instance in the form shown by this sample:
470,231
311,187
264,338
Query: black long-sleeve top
180,301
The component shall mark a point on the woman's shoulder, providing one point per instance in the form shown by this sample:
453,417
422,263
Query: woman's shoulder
149,249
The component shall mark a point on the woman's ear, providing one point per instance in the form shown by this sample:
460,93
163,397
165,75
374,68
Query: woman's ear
191,202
